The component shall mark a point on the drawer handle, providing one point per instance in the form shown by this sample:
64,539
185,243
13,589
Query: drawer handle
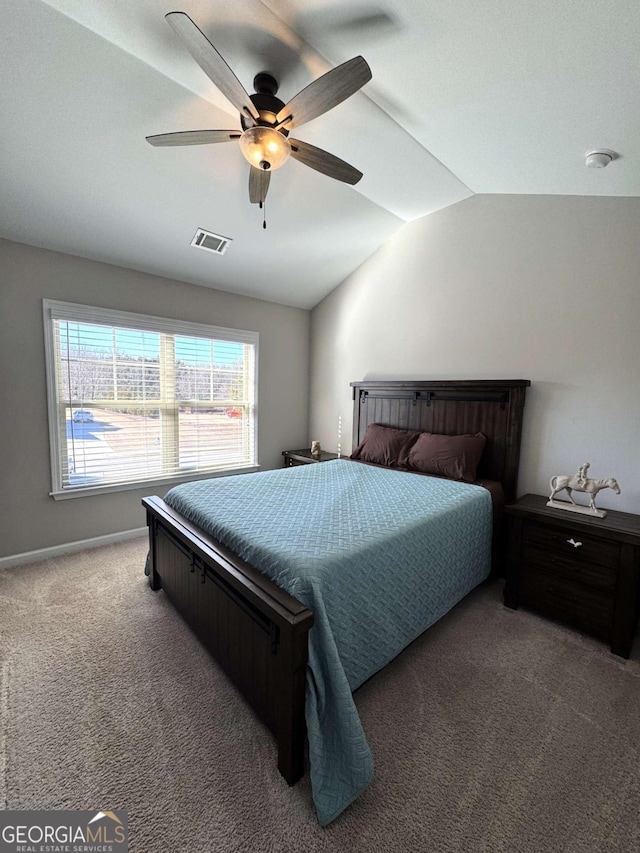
574,543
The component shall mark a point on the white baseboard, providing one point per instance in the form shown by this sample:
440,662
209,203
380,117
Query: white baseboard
70,547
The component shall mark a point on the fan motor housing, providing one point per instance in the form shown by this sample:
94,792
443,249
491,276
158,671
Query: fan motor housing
265,101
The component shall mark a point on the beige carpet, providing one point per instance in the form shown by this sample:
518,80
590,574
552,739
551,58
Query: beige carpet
495,731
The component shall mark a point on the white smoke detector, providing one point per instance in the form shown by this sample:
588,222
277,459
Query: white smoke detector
599,159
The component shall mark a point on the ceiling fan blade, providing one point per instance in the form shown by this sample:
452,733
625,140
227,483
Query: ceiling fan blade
324,162
213,65
193,137
325,93
258,184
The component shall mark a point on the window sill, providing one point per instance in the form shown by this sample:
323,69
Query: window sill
90,491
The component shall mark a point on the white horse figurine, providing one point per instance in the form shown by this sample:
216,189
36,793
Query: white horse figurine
580,483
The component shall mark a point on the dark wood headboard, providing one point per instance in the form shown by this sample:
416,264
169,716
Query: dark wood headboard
451,407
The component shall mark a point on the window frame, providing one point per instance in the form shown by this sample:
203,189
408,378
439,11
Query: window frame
76,312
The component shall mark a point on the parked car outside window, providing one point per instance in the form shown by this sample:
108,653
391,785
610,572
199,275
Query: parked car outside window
81,416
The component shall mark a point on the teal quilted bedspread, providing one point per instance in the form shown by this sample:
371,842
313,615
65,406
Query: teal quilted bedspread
377,555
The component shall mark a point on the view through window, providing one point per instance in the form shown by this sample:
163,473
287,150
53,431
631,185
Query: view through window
135,398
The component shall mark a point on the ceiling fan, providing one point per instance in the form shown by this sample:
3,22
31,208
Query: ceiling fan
266,121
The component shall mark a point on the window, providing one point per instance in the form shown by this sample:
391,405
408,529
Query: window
136,399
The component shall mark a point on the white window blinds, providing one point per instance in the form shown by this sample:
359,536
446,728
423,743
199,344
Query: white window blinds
135,399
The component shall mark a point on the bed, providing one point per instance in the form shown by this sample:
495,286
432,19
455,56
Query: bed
259,632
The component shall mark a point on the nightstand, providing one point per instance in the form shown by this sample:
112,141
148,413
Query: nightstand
579,569
304,457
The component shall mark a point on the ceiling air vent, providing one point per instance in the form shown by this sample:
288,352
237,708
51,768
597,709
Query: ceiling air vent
211,242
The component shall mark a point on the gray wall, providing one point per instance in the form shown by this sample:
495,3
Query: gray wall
545,288
29,518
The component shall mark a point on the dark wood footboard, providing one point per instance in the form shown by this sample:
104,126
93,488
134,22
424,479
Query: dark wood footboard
255,630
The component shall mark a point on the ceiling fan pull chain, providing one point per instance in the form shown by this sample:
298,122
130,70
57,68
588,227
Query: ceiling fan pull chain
264,213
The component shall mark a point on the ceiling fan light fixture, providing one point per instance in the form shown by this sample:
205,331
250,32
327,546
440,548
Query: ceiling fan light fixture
265,148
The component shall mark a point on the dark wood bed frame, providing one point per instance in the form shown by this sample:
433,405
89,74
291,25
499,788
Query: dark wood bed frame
255,630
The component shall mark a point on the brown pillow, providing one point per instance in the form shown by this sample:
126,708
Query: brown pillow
385,446
453,456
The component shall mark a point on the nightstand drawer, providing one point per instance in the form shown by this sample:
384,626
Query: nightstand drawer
590,549
562,599
570,566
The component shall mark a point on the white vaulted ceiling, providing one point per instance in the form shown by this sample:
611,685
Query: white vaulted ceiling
466,97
